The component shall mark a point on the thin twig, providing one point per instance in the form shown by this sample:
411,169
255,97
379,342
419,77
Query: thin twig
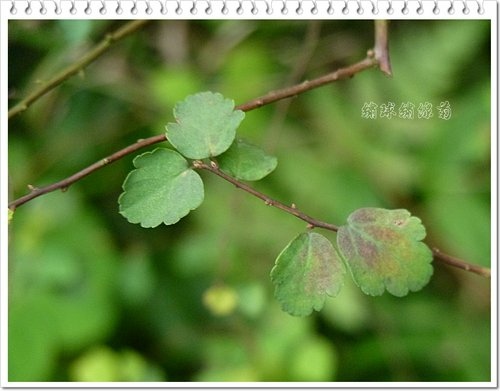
377,57
273,96
214,168
78,66
340,74
382,46
252,105
312,222
65,183
457,262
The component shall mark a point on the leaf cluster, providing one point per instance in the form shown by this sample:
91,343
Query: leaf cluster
78,286
381,248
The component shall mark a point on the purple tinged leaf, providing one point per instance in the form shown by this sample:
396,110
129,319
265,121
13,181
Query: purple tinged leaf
306,271
383,250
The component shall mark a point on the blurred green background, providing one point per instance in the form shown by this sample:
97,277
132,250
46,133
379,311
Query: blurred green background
94,298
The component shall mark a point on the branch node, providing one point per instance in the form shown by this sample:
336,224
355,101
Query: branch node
197,164
109,38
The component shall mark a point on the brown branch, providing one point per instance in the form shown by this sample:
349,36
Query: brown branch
382,46
379,57
214,168
254,104
65,183
340,74
312,222
273,96
78,66
459,263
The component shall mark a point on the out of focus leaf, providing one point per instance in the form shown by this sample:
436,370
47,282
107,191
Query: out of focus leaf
306,271
101,364
314,359
383,249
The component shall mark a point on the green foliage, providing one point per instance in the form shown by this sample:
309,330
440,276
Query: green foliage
383,249
162,189
148,285
306,271
246,161
105,365
206,125
61,297
313,359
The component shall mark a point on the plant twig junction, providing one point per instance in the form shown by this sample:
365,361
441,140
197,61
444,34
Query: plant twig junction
377,57
312,222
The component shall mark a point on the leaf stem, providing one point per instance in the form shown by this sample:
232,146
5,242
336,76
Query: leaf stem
213,167
378,57
312,222
251,105
65,183
382,46
458,263
339,74
76,67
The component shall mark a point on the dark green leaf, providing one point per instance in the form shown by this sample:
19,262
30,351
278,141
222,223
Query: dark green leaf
162,189
383,249
306,271
246,161
206,125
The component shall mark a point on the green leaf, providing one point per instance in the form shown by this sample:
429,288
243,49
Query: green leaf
162,189
383,249
246,161
206,125
10,215
307,270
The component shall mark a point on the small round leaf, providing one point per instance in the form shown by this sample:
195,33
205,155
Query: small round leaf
206,125
162,189
246,161
306,271
383,249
